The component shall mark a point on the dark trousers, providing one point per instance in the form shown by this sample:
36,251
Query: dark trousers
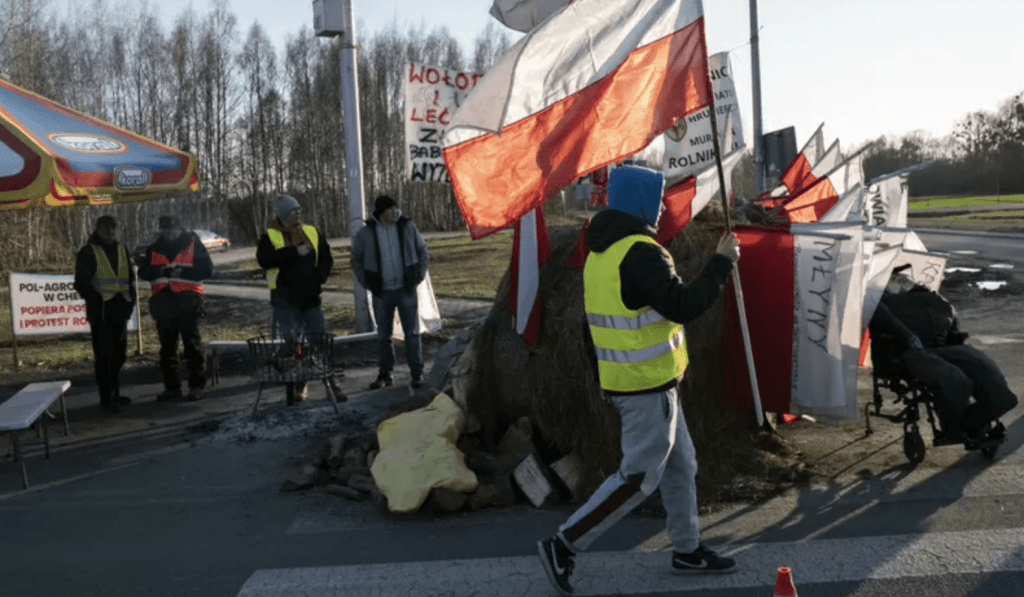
407,305
109,349
955,374
187,328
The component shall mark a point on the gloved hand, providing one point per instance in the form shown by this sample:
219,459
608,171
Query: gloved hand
303,250
729,246
914,343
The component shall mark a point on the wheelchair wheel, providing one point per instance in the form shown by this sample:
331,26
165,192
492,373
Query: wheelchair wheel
913,445
989,452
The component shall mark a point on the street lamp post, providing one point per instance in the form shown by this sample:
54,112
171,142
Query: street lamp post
333,18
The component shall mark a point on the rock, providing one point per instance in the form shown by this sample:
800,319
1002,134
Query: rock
447,500
363,483
518,438
334,449
343,473
493,493
298,481
370,456
315,474
354,457
345,492
570,471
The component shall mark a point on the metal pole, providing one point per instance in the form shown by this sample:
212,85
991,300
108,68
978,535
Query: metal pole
353,154
14,336
745,331
755,71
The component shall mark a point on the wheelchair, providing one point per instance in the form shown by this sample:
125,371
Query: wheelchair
890,373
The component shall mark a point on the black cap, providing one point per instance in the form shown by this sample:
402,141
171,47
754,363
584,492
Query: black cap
382,204
168,222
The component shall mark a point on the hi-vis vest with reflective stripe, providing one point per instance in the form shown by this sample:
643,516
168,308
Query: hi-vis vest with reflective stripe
636,350
277,239
105,281
158,259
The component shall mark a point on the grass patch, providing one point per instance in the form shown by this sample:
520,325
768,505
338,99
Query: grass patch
932,202
459,267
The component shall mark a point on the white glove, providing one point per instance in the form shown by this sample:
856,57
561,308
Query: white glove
729,246
303,250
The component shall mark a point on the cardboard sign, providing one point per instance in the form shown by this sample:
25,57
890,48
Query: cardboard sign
432,95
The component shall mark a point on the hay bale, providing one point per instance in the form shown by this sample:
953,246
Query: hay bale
554,384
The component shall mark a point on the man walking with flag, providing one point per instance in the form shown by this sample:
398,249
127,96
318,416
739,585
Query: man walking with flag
635,307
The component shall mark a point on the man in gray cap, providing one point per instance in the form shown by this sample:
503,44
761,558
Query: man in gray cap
298,261
176,264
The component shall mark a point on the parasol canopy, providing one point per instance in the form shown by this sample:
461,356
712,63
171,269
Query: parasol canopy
53,156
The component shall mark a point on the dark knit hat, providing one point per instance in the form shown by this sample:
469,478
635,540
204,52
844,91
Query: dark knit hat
382,204
636,190
169,222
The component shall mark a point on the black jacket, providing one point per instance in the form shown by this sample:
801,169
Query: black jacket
648,277
918,312
300,279
96,309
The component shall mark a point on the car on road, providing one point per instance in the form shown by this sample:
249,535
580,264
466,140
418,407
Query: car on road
211,240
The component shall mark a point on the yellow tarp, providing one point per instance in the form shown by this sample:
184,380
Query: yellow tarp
418,453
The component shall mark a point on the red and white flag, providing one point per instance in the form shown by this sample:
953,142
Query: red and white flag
795,173
530,250
815,201
593,84
805,290
524,15
684,199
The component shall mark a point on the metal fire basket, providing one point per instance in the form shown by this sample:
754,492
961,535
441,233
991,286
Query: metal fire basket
281,359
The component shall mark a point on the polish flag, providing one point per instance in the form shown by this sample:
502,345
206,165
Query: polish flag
815,201
593,84
804,289
524,15
530,250
795,173
684,199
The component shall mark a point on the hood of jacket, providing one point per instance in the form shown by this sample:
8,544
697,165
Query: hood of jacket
610,226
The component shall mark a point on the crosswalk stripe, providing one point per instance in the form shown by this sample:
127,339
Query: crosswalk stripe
635,572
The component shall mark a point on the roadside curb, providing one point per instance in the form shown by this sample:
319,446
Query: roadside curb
952,231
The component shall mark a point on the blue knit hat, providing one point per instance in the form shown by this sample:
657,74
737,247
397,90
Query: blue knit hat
636,190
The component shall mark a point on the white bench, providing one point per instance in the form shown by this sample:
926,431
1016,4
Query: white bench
23,409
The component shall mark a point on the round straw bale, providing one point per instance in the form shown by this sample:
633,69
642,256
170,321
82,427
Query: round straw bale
554,383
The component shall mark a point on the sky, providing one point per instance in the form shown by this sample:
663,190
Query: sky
864,68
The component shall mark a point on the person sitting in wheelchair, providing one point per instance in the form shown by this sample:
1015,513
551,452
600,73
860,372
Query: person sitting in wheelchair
918,327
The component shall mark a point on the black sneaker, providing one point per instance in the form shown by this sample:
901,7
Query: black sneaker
382,381
417,381
701,561
168,395
557,560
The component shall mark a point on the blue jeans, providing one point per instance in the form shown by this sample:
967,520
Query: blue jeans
384,307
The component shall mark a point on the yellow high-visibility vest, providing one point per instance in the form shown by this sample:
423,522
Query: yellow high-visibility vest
105,281
277,239
636,349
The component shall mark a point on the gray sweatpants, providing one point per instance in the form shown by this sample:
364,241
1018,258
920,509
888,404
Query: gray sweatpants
656,451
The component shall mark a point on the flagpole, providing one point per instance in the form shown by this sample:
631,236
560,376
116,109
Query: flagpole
736,270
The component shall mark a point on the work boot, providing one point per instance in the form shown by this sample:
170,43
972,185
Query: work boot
169,395
384,379
417,381
194,394
110,404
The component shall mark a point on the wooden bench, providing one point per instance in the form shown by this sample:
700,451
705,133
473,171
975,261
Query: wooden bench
23,409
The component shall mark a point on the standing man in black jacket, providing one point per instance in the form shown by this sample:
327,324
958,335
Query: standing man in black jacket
105,279
176,264
298,262
390,258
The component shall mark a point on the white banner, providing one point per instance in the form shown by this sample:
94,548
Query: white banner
430,315
432,95
879,271
689,147
49,304
828,302
886,203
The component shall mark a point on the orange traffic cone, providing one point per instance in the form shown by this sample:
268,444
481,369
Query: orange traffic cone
784,583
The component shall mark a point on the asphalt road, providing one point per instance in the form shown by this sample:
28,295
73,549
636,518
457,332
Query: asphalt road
206,519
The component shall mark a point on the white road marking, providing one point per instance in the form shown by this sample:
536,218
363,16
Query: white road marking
996,339
603,573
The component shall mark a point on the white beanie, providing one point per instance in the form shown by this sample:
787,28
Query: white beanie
284,205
